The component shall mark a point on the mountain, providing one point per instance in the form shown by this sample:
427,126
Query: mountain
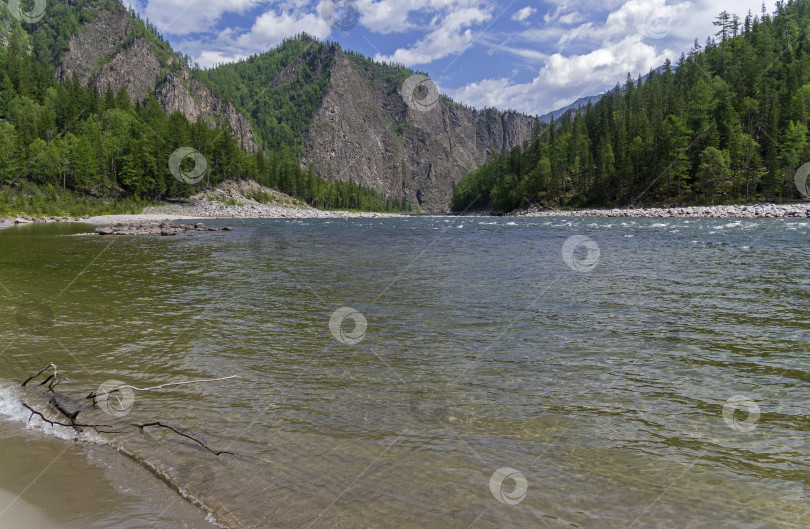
579,105
62,135
348,119
110,46
342,115
727,123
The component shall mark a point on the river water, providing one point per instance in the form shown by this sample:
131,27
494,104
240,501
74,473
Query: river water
488,372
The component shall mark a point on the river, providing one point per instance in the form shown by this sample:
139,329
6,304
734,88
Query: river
458,372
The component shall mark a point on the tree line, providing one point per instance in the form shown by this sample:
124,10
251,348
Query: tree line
72,137
726,123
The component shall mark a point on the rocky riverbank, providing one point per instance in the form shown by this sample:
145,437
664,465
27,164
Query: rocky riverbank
234,199
153,227
21,219
755,211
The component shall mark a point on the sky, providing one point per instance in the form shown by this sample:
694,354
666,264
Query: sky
523,55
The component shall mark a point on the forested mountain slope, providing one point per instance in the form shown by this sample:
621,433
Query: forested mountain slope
126,102
728,123
347,117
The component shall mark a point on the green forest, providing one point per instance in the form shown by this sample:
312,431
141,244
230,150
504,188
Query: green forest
726,123
279,108
70,140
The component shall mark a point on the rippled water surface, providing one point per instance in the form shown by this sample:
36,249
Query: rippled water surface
608,395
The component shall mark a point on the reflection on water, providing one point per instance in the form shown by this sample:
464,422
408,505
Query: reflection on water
601,388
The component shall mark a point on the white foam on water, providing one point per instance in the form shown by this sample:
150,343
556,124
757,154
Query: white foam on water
732,224
511,223
659,225
18,418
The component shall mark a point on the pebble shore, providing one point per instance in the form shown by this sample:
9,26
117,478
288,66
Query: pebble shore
756,211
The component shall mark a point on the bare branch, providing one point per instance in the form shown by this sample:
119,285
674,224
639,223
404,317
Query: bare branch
51,378
178,432
73,425
94,394
52,381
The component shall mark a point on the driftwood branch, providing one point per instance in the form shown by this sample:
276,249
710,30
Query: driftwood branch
94,394
178,432
52,381
72,424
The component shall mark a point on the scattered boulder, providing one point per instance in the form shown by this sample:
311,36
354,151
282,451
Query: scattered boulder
165,228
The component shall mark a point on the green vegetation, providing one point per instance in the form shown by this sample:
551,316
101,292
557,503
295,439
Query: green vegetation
279,103
262,197
71,137
728,124
49,201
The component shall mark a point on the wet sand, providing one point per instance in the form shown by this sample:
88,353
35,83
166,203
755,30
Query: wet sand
49,483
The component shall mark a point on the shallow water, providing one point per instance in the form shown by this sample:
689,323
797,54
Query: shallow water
603,391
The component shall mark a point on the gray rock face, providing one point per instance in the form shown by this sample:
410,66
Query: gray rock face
193,99
374,139
101,49
135,68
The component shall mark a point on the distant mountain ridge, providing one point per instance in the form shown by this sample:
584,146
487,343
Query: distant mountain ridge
349,118
344,115
581,103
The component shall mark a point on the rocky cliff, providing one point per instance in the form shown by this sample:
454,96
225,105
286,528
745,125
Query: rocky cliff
112,50
369,135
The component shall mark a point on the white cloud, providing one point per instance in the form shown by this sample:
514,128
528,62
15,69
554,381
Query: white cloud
564,79
181,17
524,13
449,35
210,58
271,28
